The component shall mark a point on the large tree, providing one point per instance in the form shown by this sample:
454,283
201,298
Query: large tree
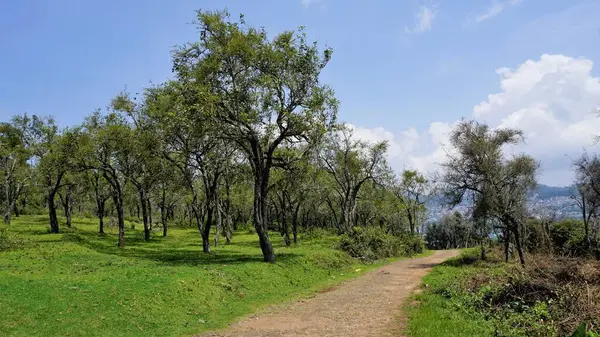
259,92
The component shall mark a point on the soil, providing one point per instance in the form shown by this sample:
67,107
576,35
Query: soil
371,305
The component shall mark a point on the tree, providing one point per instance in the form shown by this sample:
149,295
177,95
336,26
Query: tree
476,167
101,194
139,157
410,191
14,169
351,163
193,145
260,93
452,231
54,153
587,184
105,149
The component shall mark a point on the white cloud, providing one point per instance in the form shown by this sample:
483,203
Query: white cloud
495,8
424,20
307,3
551,99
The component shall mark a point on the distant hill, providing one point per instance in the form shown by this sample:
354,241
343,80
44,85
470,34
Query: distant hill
545,192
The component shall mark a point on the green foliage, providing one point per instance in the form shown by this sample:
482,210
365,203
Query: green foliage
372,243
78,282
316,233
567,236
584,330
455,231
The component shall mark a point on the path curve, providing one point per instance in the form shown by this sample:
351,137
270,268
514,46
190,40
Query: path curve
370,305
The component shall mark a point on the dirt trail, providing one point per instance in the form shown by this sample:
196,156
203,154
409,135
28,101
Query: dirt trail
367,306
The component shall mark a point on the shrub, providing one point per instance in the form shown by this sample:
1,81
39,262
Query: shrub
568,236
373,243
316,233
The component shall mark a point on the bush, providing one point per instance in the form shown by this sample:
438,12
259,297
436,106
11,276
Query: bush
568,237
373,243
9,240
316,233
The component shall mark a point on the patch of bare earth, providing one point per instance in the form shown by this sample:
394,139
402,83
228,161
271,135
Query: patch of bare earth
370,305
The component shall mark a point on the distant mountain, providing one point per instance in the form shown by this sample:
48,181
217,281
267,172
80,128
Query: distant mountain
546,192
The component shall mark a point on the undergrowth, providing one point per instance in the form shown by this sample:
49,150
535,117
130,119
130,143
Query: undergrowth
371,243
550,296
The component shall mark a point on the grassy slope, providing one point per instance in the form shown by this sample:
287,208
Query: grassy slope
79,283
438,314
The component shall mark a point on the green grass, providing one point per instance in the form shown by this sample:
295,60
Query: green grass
440,311
79,283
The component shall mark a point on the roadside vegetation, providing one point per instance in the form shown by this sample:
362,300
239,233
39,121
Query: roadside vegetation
520,274
466,296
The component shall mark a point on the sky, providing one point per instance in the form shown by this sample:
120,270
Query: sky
405,71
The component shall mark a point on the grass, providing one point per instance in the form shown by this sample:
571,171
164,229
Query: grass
437,311
79,283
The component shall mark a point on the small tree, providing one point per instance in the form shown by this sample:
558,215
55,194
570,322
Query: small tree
477,168
54,154
351,163
587,189
14,168
105,149
411,191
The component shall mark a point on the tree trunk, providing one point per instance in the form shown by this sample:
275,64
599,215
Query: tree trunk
144,203
100,203
295,223
16,209
68,204
217,223
518,242
483,256
205,232
506,244
118,200
163,211
7,197
586,228
149,213
228,232
284,226
52,213
260,211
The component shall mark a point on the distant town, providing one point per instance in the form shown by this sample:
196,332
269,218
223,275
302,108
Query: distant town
546,201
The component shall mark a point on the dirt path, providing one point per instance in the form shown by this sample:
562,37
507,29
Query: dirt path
367,306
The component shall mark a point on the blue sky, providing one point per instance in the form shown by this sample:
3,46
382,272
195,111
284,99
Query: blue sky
399,67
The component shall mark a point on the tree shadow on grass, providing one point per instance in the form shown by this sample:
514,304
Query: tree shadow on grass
156,251
424,265
464,260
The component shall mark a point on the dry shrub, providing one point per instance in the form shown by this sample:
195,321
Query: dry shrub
569,286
